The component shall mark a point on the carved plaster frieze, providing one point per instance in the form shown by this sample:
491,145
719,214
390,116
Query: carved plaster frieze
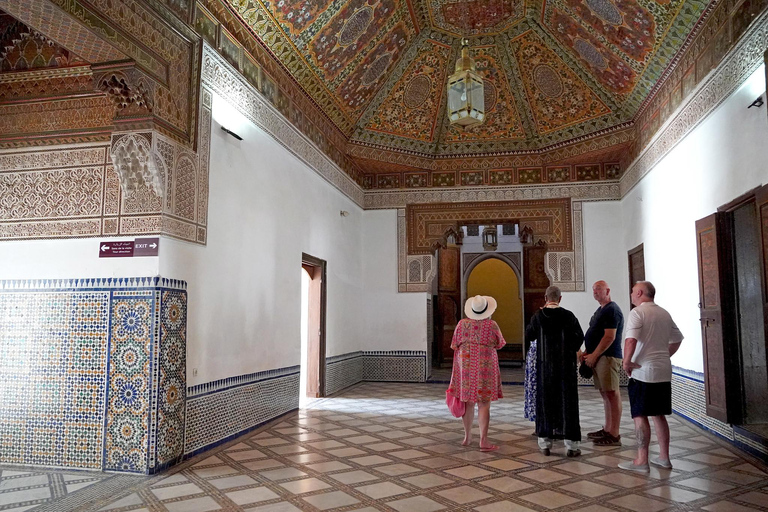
565,268
604,191
735,68
135,163
125,90
142,183
220,77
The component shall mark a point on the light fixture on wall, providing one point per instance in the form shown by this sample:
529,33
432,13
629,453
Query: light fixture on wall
466,93
344,213
490,238
232,133
757,103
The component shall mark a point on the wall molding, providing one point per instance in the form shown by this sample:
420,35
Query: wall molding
604,191
220,77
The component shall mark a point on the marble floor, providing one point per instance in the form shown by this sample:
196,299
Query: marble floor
394,447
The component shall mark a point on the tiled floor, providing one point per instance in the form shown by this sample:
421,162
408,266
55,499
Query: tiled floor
395,447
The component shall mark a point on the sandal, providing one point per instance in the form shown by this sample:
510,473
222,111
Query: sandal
607,440
597,434
491,448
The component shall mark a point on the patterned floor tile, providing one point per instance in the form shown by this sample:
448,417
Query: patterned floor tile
380,447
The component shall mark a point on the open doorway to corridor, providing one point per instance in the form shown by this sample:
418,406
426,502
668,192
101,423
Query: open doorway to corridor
312,375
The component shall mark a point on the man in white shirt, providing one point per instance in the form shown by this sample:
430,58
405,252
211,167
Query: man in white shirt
651,339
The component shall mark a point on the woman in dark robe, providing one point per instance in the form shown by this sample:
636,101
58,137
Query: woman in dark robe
559,337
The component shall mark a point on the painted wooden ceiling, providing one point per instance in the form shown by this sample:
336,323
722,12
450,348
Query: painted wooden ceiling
555,70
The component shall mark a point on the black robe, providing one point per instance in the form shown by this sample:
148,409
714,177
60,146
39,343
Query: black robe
559,337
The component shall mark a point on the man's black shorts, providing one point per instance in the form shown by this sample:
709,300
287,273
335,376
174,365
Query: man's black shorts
650,398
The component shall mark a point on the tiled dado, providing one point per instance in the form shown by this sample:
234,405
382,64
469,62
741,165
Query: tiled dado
382,365
93,373
689,401
222,410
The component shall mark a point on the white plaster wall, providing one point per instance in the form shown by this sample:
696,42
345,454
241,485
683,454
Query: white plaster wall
605,258
68,259
721,159
266,207
393,321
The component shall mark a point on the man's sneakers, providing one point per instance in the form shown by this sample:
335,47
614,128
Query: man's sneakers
607,440
596,434
666,464
630,466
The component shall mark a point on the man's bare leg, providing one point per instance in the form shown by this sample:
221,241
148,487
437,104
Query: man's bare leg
468,419
612,404
661,427
643,437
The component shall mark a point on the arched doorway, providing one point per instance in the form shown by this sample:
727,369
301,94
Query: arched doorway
495,277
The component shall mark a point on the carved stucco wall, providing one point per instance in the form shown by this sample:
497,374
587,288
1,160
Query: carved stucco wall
75,191
565,267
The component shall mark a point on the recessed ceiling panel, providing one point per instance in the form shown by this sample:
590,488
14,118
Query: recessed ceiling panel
348,33
412,105
558,98
608,68
474,17
364,80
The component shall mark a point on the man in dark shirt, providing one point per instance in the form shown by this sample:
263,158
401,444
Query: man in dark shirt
603,354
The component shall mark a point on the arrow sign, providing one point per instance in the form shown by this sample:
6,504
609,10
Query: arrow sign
112,249
146,246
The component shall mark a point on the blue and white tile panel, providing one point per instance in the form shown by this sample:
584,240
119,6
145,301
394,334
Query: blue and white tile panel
93,372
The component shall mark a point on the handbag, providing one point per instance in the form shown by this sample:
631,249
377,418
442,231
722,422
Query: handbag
456,406
585,371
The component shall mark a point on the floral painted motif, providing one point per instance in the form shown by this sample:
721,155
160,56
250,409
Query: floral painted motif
348,33
624,23
610,70
557,96
476,376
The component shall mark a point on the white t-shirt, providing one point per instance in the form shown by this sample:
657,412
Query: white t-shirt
655,331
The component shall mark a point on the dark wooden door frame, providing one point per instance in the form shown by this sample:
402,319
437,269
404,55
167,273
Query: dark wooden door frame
318,267
632,280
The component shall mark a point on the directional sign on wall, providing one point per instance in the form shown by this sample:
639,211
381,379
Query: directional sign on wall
129,248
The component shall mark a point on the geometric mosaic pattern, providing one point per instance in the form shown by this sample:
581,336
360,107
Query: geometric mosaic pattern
93,373
53,376
395,447
221,410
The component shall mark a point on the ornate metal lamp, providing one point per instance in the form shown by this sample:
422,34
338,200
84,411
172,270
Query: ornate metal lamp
490,238
466,95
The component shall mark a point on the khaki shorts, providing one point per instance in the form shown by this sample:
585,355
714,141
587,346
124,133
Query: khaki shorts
606,375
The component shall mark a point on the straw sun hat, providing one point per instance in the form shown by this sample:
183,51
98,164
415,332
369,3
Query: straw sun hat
479,307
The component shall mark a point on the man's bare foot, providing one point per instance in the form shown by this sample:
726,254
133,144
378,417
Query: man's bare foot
467,441
488,448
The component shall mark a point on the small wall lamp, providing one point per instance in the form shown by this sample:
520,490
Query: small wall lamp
232,133
757,103
344,213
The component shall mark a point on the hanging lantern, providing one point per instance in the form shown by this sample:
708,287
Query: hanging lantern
466,96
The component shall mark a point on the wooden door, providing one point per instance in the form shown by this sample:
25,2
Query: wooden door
636,268
448,300
761,204
535,282
722,384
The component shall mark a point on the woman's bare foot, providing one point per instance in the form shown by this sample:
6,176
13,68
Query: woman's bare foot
488,448
467,440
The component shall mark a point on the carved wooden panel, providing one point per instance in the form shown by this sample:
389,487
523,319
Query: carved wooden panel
711,318
535,280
